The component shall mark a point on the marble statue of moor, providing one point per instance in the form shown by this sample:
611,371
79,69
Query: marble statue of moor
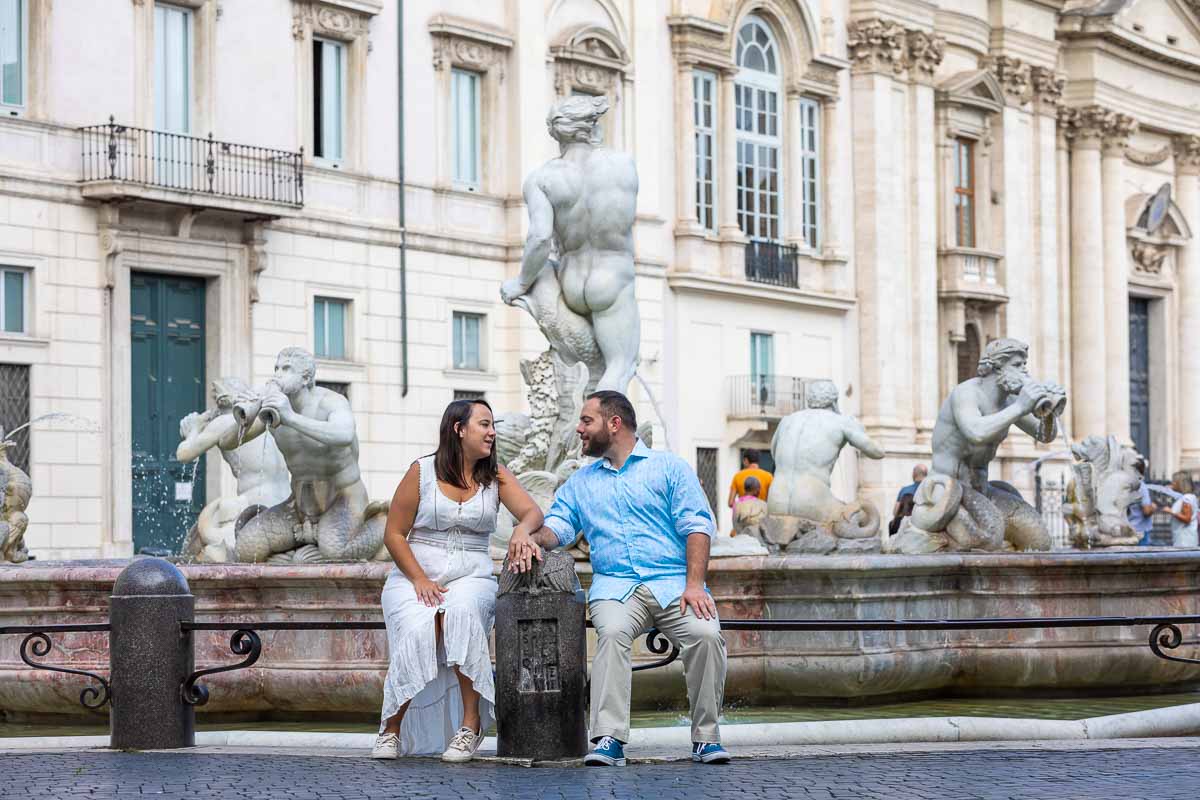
262,476
805,448
956,507
581,206
328,516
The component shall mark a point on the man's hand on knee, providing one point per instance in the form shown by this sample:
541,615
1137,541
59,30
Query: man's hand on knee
700,601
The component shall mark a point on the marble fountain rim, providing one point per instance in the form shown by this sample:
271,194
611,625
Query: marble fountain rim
104,572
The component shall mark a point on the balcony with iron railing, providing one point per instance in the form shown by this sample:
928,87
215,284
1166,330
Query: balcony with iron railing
764,396
773,263
124,162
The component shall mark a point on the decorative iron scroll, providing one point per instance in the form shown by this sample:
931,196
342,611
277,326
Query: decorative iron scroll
657,643
1167,635
243,643
91,697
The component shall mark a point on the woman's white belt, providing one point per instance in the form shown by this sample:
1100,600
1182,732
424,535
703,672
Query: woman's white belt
455,537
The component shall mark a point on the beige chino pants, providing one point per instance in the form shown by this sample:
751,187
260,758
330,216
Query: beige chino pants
702,648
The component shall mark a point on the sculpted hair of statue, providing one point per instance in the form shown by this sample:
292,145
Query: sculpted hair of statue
821,394
997,352
302,360
574,119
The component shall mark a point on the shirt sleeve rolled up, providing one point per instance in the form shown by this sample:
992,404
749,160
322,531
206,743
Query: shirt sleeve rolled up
689,506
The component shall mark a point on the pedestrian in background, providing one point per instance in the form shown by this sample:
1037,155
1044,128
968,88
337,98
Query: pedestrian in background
750,469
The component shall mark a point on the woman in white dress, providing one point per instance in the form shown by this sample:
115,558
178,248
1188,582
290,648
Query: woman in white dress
439,601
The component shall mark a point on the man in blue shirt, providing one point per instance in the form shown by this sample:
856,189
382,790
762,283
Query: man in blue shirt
648,528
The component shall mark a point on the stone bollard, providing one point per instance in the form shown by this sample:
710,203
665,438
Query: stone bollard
541,662
149,658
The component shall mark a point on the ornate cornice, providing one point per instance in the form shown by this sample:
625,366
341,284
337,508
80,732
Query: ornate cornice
334,21
1187,154
1047,89
882,46
1097,126
1015,78
461,43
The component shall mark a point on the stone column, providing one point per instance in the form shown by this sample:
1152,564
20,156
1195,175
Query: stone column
925,58
685,127
1088,354
727,163
877,50
1116,131
1187,265
793,186
1047,90
732,248
831,209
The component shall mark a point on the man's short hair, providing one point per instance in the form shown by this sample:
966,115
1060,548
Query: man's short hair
302,360
997,352
752,485
750,455
615,404
920,469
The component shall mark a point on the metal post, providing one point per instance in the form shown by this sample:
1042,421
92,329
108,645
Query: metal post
150,657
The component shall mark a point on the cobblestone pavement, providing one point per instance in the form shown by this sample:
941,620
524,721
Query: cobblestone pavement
1128,773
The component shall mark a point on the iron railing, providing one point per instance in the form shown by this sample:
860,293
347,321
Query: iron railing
115,152
764,396
1164,635
773,263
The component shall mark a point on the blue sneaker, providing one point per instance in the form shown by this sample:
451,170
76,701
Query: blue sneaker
607,753
709,753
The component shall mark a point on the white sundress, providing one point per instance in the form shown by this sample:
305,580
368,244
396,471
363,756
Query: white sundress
450,542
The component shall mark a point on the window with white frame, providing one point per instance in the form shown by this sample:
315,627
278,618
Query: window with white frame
329,89
756,97
14,300
13,36
762,366
172,68
704,103
468,333
464,99
810,170
329,327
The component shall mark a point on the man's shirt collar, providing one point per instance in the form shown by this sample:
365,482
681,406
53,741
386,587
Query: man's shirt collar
640,450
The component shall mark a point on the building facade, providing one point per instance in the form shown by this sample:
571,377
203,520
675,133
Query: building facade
861,191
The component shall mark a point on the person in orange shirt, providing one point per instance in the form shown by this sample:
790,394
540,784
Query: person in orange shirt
749,468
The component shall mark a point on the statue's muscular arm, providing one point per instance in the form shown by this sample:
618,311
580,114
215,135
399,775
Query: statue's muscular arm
219,432
336,430
856,435
537,242
978,428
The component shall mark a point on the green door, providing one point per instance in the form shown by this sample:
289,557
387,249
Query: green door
167,344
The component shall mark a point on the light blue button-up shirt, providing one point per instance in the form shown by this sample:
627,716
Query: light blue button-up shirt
636,520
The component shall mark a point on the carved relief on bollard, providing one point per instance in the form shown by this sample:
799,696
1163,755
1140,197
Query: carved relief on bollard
541,662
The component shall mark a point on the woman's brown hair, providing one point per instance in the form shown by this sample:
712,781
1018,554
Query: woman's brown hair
447,462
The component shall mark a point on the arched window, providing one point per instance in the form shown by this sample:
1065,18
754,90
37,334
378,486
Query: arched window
757,106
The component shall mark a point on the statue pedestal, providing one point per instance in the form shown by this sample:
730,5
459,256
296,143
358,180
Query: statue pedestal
541,663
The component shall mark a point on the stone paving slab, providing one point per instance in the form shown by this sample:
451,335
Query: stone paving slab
1163,769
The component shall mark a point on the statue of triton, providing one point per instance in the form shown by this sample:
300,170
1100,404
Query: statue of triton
581,206
957,507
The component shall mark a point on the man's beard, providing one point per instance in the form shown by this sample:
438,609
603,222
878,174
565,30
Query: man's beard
597,444
1011,380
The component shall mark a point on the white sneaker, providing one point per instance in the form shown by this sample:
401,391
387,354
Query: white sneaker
463,745
387,745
